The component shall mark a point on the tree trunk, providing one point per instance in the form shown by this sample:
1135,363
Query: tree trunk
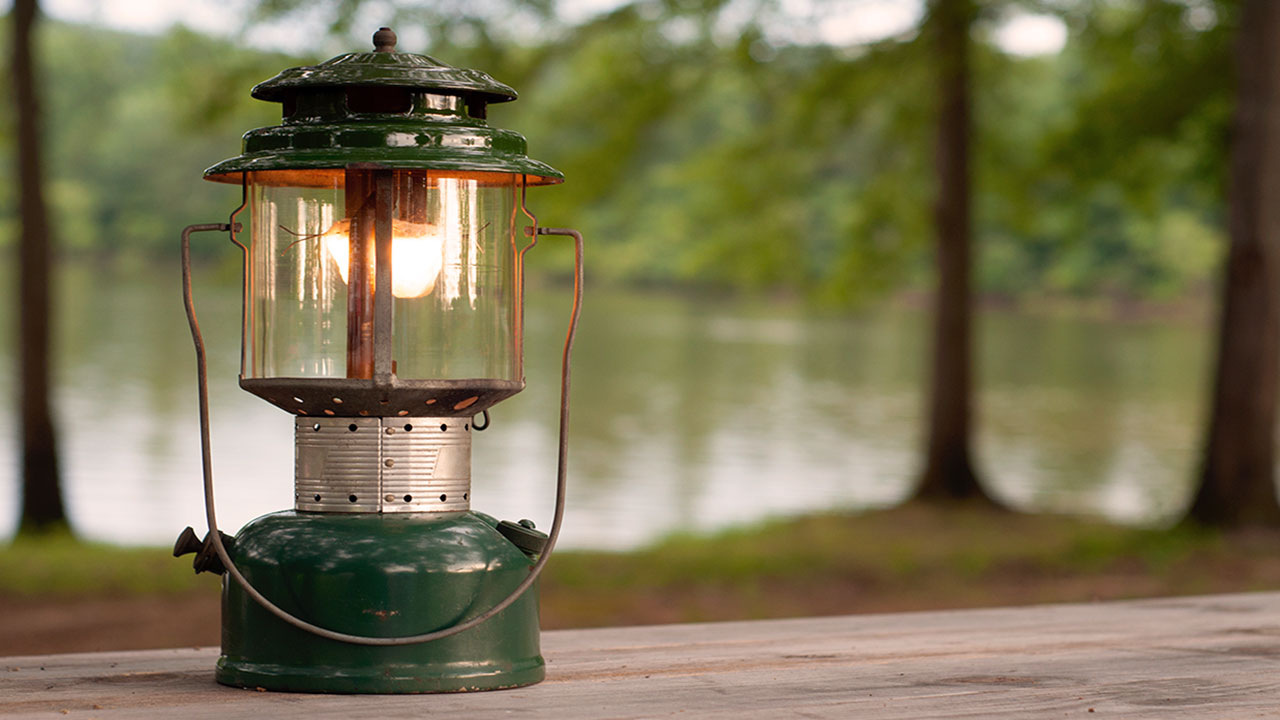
948,473
1237,483
42,507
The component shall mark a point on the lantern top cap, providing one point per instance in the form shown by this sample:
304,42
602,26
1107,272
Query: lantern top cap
385,67
387,108
384,40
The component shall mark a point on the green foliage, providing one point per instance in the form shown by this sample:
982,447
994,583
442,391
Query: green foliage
125,120
697,155
738,165
1141,146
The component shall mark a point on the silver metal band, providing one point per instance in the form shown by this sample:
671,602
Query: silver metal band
382,464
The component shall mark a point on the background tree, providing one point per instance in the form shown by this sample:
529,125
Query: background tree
42,507
1160,145
949,471
1237,482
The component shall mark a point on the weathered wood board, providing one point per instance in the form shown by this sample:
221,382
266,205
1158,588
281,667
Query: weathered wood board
1206,657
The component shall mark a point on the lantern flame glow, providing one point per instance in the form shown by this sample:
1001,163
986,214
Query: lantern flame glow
417,255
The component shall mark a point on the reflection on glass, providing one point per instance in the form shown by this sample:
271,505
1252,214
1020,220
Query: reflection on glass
312,279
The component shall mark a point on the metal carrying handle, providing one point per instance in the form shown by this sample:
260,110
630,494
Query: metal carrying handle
562,458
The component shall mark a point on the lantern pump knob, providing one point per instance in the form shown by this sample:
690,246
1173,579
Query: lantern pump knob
206,559
384,40
188,542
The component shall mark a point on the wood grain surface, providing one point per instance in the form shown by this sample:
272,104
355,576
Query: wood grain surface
1205,657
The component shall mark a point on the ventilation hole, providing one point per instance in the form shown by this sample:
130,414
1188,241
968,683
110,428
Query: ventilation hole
402,413
353,427
364,413
337,401
466,426
444,427
302,412
317,497
408,428
385,401
464,404
298,400
382,100
316,427
466,496
432,401
352,498
389,498
408,498
443,497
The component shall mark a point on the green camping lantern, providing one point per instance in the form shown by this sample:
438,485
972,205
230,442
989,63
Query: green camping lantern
383,308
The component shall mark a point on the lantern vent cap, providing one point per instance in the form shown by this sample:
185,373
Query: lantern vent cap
335,115
385,67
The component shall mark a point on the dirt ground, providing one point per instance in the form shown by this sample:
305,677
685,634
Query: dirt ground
58,625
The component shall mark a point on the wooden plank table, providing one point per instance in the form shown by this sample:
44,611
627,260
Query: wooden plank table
1205,657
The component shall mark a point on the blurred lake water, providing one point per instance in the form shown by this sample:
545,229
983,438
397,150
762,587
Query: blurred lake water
689,414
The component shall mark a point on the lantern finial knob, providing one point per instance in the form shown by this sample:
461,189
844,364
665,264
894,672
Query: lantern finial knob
384,40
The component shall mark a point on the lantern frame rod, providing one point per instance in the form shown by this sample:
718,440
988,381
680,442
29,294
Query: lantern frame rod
361,206
232,228
384,200
215,538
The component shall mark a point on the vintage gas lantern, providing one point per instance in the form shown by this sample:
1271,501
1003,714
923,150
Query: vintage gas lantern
383,308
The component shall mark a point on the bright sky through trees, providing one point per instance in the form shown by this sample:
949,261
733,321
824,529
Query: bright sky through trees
838,22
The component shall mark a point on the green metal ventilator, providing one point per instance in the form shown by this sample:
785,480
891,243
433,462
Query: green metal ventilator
383,308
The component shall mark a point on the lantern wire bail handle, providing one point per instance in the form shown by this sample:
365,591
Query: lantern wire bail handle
214,537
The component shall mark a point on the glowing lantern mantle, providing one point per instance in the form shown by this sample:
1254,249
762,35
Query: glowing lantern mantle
417,255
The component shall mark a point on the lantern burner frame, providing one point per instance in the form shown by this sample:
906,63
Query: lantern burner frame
354,397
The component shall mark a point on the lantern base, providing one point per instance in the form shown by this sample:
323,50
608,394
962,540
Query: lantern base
378,575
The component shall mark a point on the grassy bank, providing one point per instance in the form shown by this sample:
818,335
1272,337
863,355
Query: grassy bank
909,558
